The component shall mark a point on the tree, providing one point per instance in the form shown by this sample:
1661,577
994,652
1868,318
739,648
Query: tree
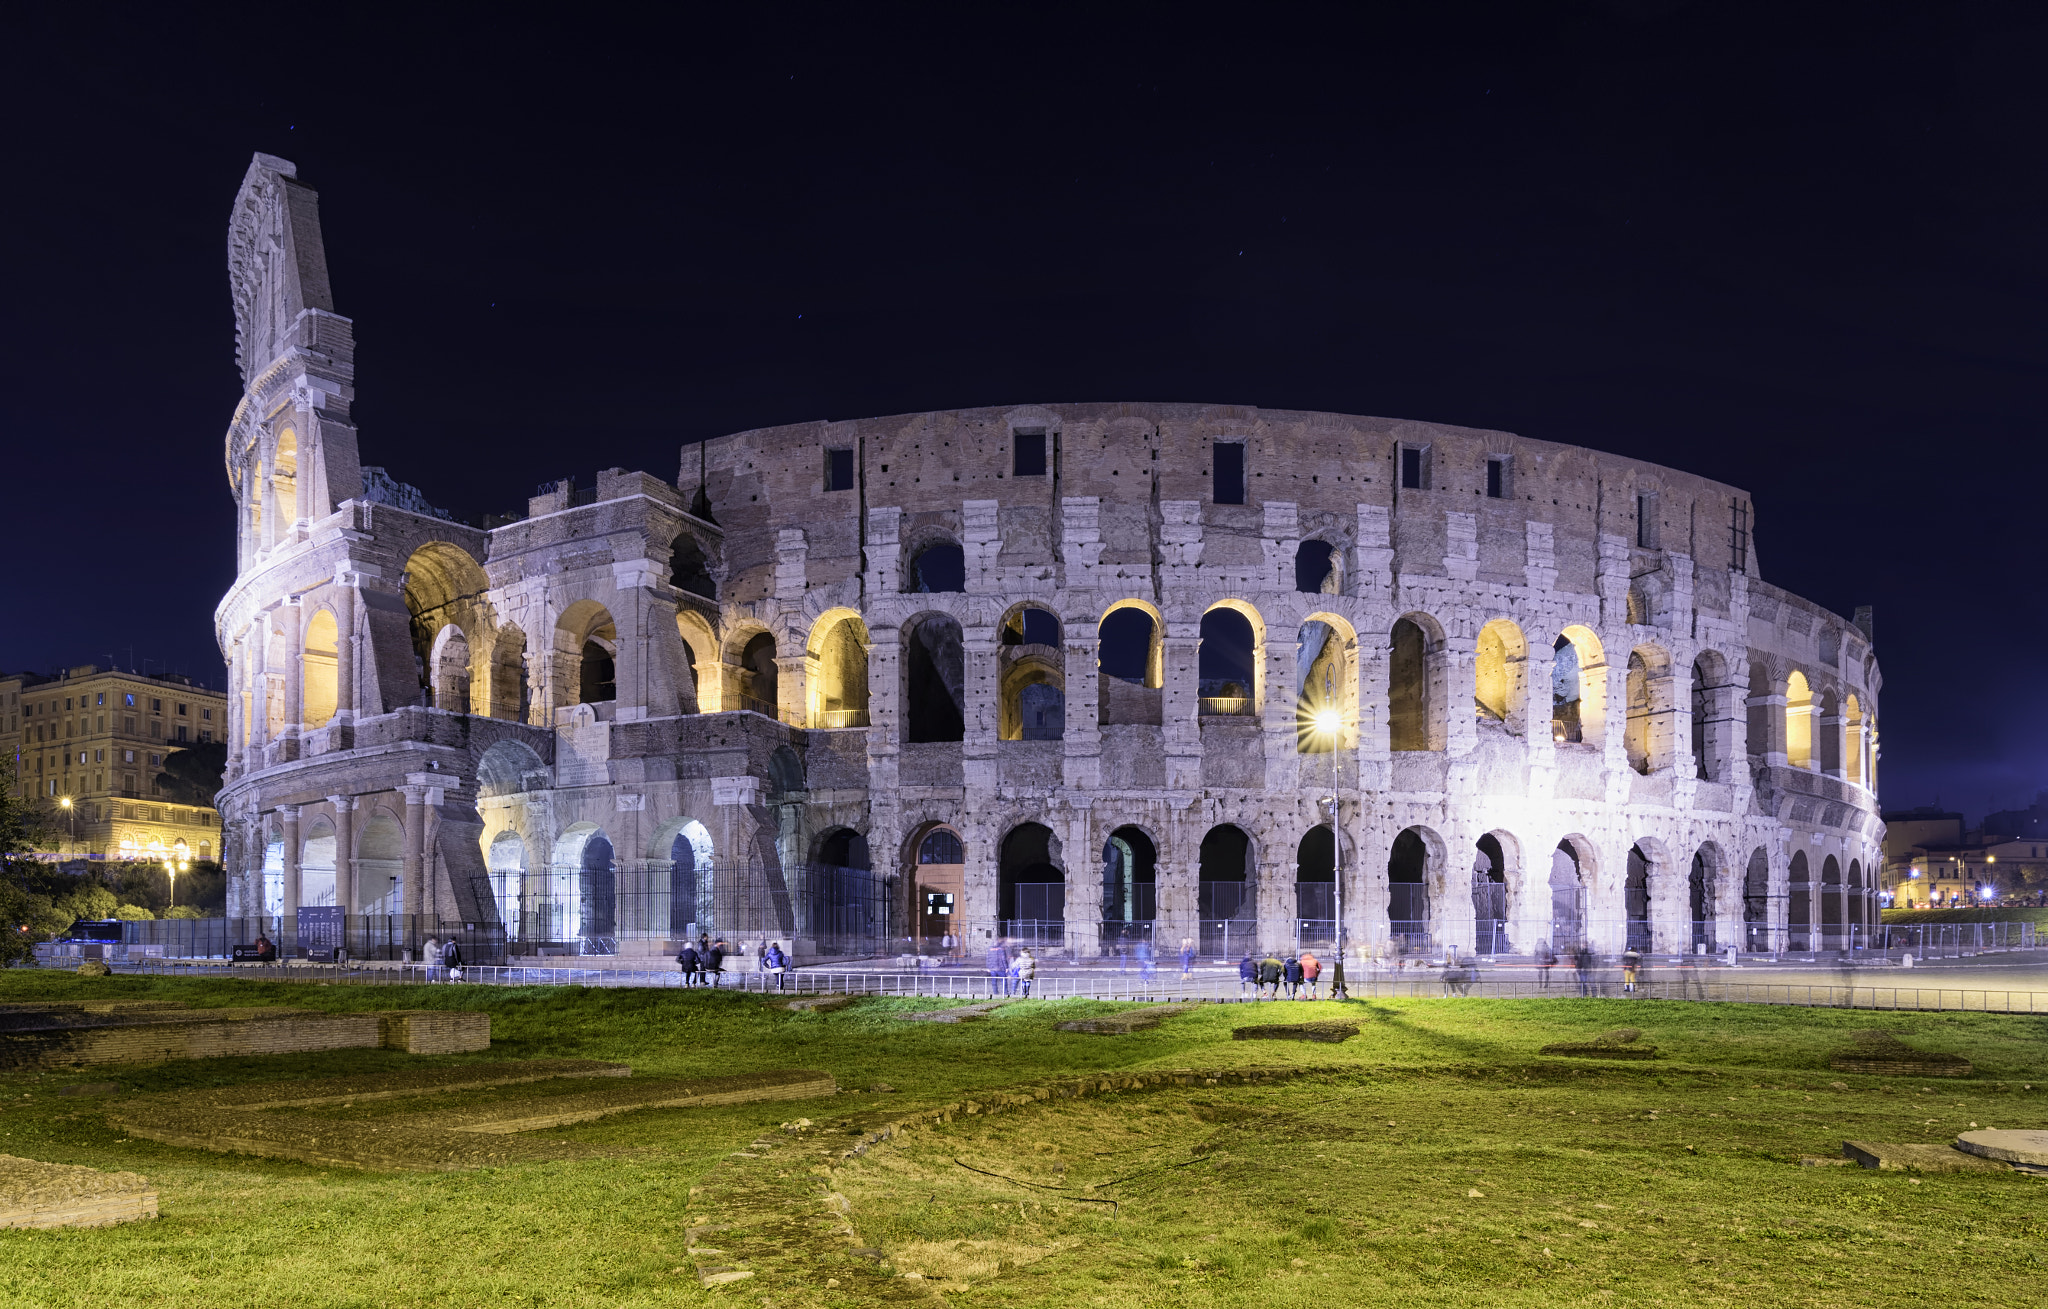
194,775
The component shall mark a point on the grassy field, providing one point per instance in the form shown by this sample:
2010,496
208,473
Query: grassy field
1669,1182
1990,914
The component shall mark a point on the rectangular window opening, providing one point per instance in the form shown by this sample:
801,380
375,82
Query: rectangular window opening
1414,468
1229,472
1030,454
1646,521
1496,479
839,470
1738,537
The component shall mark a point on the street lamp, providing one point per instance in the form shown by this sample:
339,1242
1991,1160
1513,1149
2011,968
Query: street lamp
70,818
1329,724
180,861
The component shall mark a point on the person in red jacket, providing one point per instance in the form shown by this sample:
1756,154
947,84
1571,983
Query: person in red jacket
1311,969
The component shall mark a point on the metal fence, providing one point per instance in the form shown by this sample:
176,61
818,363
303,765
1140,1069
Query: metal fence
1165,983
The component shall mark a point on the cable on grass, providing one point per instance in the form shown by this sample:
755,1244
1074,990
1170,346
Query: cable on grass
1078,1199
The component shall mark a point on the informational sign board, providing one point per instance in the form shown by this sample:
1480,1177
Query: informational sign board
320,931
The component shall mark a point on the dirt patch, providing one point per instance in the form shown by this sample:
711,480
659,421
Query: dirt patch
34,1194
1329,1033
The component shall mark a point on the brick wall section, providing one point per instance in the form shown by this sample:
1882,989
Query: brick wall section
435,1031
245,1033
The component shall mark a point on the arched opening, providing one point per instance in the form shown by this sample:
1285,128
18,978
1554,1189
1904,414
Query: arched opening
1706,761
380,867
758,673
691,882
586,654
451,670
1408,688
1756,903
505,769
1647,736
444,587
839,691
1635,899
939,891
284,479
689,569
1490,897
1831,904
1798,721
508,676
1799,905
1315,889
1130,876
934,680
1408,890
1853,714
1578,694
597,897
1227,664
1031,666
1318,568
597,680
1323,687
1500,675
316,865
1567,898
1132,663
1031,886
506,861
1700,899
1857,913
1226,906
273,874
321,670
938,567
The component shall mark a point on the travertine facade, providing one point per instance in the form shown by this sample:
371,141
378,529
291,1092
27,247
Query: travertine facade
893,627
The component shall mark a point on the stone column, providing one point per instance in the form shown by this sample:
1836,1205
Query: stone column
1082,737
412,875
982,711
290,814
1180,709
344,852
292,617
345,650
732,797
258,668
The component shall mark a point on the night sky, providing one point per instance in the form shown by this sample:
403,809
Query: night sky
1797,248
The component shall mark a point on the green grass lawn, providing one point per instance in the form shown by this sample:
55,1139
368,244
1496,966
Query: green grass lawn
1982,914
1670,1182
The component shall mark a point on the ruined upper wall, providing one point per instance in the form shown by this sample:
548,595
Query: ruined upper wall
1133,457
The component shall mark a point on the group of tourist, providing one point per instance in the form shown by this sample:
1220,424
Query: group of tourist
702,961
1011,973
1300,973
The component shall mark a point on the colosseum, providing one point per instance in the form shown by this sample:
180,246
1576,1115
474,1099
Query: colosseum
1077,674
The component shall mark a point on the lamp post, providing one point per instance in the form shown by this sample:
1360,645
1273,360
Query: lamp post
1329,725
180,861
70,820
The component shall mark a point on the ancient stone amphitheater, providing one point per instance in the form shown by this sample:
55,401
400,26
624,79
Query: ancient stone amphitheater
1090,675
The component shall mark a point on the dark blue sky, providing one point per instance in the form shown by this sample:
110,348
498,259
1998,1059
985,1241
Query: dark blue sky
1793,247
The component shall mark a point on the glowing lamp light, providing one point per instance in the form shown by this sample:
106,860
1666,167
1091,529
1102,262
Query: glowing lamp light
1986,893
1328,721
65,802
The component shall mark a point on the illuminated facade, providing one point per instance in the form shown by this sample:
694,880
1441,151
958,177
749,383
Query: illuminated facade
1081,674
97,739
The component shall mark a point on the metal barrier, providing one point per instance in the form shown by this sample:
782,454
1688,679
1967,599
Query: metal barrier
1167,983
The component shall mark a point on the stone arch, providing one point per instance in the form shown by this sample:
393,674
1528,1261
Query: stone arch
937,856
449,663
1799,712
1642,889
1500,675
1325,685
1130,885
934,679
786,772
1315,886
1647,737
1799,903
444,584
1319,567
1707,876
320,691
317,860
1031,885
510,698
685,846
1711,738
284,481
505,861
1852,715
1415,871
1578,687
837,662
759,675
507,767
380,864
701,653
934,564
586,654
1031,674
1756,902
1132,663
579,904
1417,680
1496,872
1228,660
1832,903
1226,890
1573,873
